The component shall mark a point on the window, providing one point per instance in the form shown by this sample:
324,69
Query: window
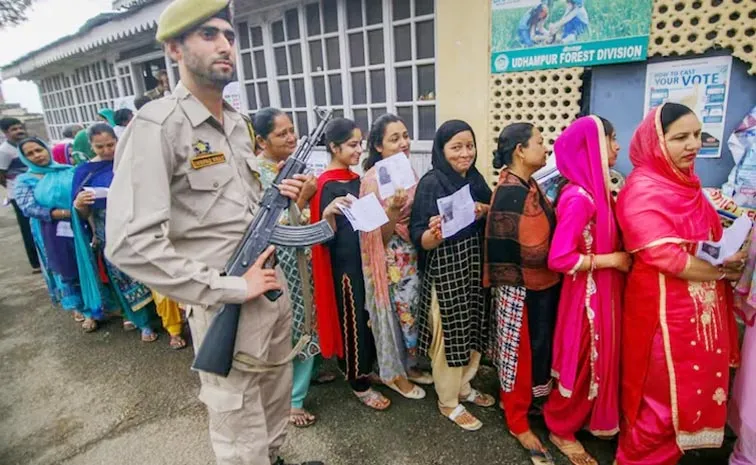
360,58
59,104
95,87
124,74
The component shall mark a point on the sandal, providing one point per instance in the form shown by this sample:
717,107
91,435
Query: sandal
573,450
177,342
89,325
78,317
537,456
301,419
478,398
416,393
149,336
324,378
128,326
464,419
421,377
374,399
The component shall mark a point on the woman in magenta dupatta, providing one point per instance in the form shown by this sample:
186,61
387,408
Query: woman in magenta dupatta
678,326
587,249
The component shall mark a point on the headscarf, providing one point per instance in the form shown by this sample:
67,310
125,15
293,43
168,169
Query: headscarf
661,203
582,158
52,167
454,181
60,153
109,116
81,148
329,330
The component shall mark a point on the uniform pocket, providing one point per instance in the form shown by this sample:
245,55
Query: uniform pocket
220,400
214,186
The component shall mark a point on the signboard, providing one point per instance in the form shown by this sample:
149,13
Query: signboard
124,102
232,95
530,35
701,84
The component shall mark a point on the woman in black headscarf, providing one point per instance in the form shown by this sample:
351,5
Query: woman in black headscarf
452,317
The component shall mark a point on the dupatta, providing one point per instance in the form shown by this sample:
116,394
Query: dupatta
331,342
372,242
660,203
582,158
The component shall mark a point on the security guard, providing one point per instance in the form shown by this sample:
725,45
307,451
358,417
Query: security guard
185,189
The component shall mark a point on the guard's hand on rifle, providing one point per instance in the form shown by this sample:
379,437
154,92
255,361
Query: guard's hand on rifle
291,188
261,280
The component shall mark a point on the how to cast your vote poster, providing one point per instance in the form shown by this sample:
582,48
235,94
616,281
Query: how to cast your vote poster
701,84
530,35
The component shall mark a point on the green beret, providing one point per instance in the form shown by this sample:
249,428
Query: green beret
182,15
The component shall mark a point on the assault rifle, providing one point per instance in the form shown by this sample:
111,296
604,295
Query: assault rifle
216,353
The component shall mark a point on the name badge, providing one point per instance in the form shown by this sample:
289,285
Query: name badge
208,159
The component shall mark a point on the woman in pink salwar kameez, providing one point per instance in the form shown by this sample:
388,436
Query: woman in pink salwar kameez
679,335
587,249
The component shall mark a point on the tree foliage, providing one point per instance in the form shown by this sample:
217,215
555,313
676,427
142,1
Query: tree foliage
13,12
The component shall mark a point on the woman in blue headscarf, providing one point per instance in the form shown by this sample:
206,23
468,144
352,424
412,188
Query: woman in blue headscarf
43,194
90,183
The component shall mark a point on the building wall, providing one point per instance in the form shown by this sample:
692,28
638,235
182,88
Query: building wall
462,67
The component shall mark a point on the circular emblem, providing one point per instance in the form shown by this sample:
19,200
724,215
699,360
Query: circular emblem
501,63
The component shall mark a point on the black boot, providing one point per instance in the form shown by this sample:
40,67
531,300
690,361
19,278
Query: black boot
280,461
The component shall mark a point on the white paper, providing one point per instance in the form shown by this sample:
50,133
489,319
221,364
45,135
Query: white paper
393,173
64,229
457,211
703,85
365,214
732,239
99,192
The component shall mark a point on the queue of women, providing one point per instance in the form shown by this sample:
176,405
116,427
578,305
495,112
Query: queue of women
597,315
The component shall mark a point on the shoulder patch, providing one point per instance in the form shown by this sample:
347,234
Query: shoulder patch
158,111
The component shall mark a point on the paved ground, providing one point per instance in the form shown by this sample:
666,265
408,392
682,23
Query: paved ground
106,398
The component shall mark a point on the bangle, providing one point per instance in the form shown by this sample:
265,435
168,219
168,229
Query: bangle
722,276
593,262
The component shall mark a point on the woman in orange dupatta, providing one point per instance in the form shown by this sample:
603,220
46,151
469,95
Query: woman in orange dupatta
678,326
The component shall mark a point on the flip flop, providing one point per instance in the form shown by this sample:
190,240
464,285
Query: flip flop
478,398
78,317
89,326
373,399
308,419
128,326
416,393
574,451
323,378
177,343
538,457
455,415
149,336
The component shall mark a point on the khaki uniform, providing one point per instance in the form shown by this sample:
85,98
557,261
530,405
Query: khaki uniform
185,189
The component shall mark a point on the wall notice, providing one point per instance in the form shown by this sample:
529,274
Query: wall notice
529,35
701,84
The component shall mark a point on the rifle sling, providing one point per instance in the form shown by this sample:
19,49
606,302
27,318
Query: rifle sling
248,363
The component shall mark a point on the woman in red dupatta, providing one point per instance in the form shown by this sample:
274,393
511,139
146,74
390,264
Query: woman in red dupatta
586,248
678,327
343,320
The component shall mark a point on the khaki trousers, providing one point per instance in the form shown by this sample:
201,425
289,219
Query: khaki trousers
249,412
451,383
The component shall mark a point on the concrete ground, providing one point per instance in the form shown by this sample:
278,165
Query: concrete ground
106,398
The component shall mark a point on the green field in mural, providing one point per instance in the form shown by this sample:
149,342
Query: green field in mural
537,32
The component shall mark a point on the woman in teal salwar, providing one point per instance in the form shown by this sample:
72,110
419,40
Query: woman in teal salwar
43,194
133,297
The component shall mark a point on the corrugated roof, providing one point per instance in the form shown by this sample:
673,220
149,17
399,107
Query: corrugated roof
103,29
